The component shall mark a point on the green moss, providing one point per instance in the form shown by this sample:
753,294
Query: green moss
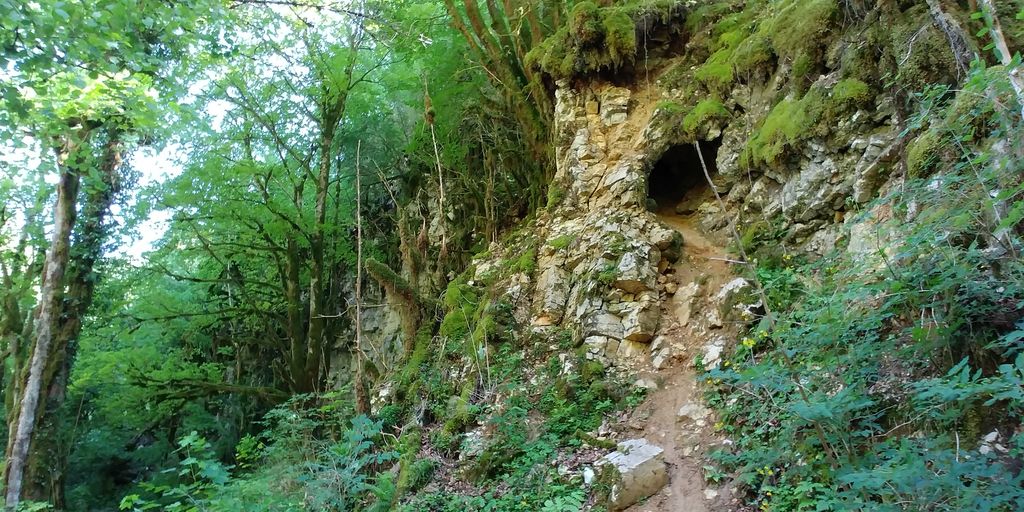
420,473
413,472
732,39
704,14
800,25
487,328
670,107
752,53
705,112
461,412
716,74
803,65
620,36
789,122
850,93
604,444
919,58
585,23
526,262
737,50
562,242
459,295
556,195
454,325
388,278
591,370
461,302
410,379
793,121
600,38
390,415
923,154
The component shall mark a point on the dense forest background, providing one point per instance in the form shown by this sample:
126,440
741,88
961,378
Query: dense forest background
202,200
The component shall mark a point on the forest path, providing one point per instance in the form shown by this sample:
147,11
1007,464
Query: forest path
699,273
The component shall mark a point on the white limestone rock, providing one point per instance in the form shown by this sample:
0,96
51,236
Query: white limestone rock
639,472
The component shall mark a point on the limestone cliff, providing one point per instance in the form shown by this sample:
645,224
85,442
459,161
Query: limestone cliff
747,125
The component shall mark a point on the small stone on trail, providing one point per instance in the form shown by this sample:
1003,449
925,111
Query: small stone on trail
693,412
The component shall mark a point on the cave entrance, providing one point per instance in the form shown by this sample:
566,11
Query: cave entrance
676,183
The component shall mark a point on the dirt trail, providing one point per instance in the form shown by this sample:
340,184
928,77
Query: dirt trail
686,329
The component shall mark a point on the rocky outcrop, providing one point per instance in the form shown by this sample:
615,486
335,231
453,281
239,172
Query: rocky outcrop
599,251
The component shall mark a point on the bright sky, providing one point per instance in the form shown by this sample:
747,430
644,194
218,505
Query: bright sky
154,168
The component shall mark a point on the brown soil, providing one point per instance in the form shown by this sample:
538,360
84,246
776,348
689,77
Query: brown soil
656,420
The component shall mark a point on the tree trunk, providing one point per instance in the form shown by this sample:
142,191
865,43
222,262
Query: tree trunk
359,379
47,324
1005,57
44,476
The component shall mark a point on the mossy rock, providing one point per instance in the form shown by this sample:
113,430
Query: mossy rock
556,195
918,51
391,415
923,154
460,411
599,39
706,113
717,74
752,54
851,93
789,122
585,23
801,25
620,37
793,121
454,325
410,376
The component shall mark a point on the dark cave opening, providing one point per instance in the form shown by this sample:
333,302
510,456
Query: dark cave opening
677,177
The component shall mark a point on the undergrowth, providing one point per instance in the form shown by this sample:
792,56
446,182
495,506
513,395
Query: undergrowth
883,380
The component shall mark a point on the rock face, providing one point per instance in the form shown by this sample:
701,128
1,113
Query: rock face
600,252
602,258
638,471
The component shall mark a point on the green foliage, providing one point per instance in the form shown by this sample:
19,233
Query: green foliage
341,475
608,274
853,393
199,474
576,402
249,451
782,284
33,506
